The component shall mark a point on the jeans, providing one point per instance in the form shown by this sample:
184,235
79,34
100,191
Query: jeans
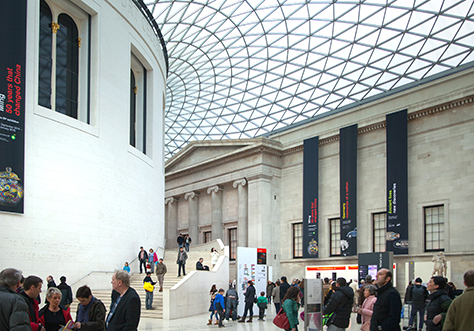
212,314
148,300
152,265
261,312
142,262
221,317
421,311
186,247
181,266
248,307
269,298
277,306
332,327
231,306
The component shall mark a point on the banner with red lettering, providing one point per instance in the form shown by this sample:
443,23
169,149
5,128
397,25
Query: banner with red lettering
310,197
348,189
12,104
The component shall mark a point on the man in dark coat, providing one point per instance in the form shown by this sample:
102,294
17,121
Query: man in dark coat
249,301
284,286
13,308
66,293
31,290
142,257
341,305
388,307
125,309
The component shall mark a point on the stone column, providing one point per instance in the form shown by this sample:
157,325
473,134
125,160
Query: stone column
260,219
216,211
193,217
242,224
171,222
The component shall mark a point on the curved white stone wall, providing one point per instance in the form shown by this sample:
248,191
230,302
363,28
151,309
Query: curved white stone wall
91,199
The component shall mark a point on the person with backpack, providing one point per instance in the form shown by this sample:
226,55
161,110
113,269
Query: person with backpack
341,305
438,304
419,294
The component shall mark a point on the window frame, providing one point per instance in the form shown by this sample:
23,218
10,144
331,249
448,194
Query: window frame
336,221
138,115
441,233
376,229
205,236
297,234
232,237
82,21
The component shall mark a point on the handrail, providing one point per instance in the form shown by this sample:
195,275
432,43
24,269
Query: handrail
151,20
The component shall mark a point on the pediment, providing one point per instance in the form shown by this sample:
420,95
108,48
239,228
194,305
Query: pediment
202,151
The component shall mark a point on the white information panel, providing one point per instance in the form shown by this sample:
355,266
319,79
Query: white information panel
248,269
313,298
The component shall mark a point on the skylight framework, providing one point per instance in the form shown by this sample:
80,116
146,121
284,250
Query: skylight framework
240,69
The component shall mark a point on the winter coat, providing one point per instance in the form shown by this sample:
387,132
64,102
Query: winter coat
387,309
438,303
250,294
290,307
418,295
161,269
14,311
276,294
460,316
270,288
42,312
33,306
368,308
341,304
66,292
283,289
97,314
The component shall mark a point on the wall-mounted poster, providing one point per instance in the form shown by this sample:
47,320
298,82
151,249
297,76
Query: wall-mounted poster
261,256
12,105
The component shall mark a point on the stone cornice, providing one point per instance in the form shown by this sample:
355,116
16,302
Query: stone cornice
381,125
259,176
191,195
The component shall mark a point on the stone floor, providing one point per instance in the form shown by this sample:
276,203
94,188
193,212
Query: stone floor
199,323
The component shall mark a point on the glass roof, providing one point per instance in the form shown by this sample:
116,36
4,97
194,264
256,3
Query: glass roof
239,68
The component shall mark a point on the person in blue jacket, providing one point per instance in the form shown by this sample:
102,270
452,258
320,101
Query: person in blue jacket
219,306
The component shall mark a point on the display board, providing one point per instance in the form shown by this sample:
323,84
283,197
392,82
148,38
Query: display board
313,299
249,269
12,105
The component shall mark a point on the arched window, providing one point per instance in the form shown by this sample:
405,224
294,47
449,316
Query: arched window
60,64
133,108
45,56
67,66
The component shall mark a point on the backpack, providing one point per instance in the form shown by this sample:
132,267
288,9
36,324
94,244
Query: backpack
418,295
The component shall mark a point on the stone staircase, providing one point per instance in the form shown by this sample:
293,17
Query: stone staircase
136,282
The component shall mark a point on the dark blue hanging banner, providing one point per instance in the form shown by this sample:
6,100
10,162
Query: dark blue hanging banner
310,197
12,104
348,189
397,183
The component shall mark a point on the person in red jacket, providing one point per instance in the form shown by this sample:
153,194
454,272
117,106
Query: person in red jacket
32,289
52,315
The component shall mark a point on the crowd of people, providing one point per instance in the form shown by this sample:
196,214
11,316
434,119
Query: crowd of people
20,300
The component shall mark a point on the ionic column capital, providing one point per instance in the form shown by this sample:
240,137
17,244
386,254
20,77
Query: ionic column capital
171,200
191,195
240,182
214,189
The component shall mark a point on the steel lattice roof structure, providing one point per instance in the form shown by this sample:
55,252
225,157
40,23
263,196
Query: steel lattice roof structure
240,69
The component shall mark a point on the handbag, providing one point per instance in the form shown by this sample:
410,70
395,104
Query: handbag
327,318
281,320
147,286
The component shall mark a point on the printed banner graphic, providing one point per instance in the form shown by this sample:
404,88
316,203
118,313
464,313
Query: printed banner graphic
348,189
12,104
397,183
310,197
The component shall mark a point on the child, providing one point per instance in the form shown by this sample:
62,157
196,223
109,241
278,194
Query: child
126,267
262,303
219,306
